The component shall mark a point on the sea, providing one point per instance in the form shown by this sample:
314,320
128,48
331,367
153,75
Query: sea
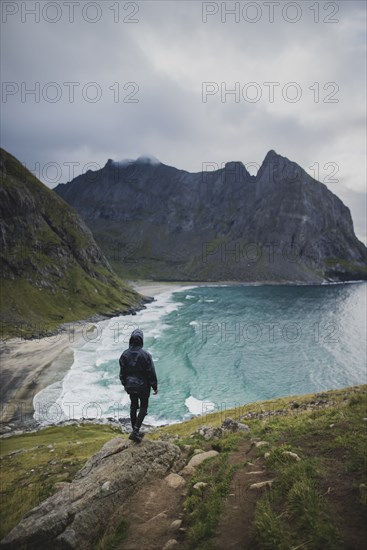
219,346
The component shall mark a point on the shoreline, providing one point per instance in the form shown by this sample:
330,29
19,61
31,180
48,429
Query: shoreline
144,287
151,289
30,365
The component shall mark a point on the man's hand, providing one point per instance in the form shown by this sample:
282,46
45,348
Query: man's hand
155,391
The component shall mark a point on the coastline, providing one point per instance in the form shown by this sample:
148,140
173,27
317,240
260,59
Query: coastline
151,289
29,366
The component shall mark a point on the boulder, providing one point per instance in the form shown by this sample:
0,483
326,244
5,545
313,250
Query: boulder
200,458
197,452
199,486
73,516
176,524
230,425
258,444
175,481
210,432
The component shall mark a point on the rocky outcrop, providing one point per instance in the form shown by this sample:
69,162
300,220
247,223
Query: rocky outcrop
228,425
156,221
53,270
77,513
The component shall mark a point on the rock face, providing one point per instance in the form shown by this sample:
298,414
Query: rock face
156,221
53,270
73,517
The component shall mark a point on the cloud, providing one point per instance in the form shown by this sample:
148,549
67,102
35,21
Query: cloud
137,87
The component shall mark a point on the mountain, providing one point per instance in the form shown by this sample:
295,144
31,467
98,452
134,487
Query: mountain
155,221
53,270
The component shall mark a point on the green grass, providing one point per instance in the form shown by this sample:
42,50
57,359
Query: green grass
27,477
345,264
269,528
330,438
331,443
203,507
53,270
298,419
297,512
29,311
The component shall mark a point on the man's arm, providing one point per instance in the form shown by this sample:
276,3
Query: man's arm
152,377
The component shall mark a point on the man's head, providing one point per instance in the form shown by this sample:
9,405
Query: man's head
136,338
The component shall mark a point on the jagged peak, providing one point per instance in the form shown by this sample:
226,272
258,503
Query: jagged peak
271,156
237,167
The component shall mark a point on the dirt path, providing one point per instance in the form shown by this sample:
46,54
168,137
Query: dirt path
233,531
153,509
150,513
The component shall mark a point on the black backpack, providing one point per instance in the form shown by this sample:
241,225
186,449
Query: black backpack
135,384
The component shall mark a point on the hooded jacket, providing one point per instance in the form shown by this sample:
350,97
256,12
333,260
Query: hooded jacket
137,371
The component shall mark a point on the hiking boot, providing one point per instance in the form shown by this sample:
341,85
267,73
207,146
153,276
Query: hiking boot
135,436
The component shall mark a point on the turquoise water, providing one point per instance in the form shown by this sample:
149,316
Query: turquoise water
220,346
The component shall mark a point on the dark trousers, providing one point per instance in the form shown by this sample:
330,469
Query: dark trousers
138,401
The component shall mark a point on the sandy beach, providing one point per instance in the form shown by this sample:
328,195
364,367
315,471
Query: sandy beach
28,366
153,288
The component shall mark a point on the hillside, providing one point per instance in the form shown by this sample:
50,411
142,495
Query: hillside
155,221
53,270
287,473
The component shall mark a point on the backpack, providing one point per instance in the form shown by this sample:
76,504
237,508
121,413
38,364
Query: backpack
135,384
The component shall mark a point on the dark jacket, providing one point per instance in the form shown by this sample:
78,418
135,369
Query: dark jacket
137,372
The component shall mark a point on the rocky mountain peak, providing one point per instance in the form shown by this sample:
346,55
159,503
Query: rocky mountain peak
171,215
272,156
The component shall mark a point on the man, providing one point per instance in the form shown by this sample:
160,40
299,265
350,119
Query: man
137,375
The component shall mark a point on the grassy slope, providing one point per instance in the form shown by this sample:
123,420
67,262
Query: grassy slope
29,311
58,280
318,502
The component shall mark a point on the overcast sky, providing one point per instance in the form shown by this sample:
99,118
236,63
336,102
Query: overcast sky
122,79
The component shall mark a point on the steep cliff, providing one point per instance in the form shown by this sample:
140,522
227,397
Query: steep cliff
53,270
156,221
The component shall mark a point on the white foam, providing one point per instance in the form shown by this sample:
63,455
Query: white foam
195,325
198,406
189,297
172,307
88,390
